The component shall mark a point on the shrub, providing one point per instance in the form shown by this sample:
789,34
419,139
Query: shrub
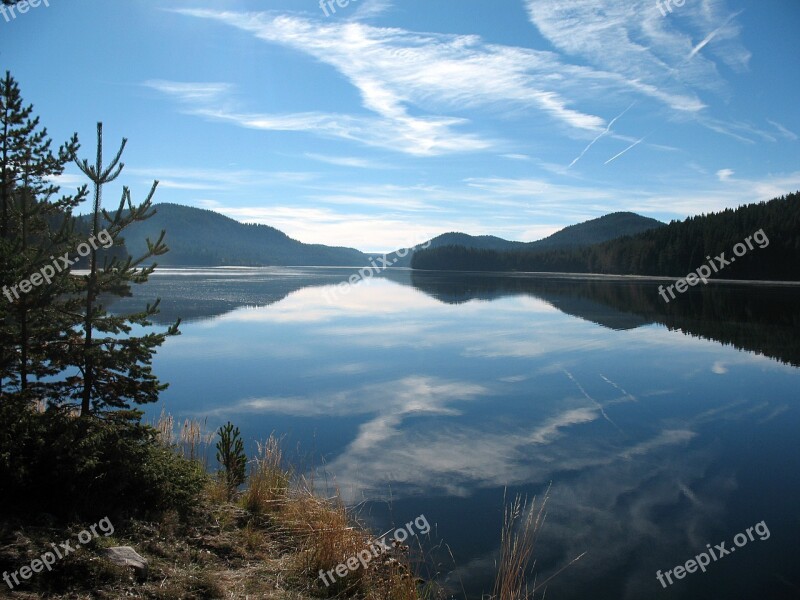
52,462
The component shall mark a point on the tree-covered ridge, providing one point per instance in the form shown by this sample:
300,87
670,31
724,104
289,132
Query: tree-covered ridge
596,231
673,250
199,237
593,231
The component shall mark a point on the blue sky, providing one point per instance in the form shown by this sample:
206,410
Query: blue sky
389,121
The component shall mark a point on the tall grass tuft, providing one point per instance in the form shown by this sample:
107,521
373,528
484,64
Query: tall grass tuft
521,527
195,440
268,484
192,441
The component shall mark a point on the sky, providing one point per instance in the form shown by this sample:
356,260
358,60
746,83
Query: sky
382,123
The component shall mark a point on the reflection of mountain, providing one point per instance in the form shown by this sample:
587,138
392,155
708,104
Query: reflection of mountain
199,294
570,296
756,318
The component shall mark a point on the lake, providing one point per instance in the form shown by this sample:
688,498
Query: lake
662,429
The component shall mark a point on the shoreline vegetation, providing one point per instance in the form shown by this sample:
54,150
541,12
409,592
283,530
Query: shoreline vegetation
268,538
668,251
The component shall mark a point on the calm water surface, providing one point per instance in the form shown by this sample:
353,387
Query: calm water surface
662,428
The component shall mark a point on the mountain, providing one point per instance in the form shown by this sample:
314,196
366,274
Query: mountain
198,237
758,241
595,231
488,242
602,229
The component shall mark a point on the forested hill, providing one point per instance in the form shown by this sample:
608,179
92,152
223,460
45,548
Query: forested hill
198,237
595,231
607,227
673,250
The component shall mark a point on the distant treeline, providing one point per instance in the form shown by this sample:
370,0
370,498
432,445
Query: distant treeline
673,250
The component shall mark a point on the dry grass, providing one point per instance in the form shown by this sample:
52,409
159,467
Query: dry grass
320,533
192,441
309,534
521,527
268,483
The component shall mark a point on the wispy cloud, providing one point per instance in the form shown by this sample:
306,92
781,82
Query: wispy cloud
394,70
632,39
370,9
346,161
789,135
722,29
191,92
217,179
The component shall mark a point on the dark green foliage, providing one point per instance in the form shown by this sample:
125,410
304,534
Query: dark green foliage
674,250
58,345
596,231
230,454
113,370
35,225
54,463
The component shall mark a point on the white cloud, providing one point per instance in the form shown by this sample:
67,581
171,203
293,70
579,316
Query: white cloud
724,174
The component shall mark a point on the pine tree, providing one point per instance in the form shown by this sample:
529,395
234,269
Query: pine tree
115,366
34,228
230,454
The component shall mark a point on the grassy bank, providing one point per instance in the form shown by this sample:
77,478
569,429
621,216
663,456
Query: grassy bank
269,535
268,538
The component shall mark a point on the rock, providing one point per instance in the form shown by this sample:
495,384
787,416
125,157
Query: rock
125,556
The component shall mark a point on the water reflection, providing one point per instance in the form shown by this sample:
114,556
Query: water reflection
662,428
761,319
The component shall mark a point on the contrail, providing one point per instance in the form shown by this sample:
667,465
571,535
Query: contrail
609,382
711,36
590,399
703,44
608,129
636,143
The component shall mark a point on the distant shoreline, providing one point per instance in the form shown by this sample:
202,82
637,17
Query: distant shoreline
162,270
